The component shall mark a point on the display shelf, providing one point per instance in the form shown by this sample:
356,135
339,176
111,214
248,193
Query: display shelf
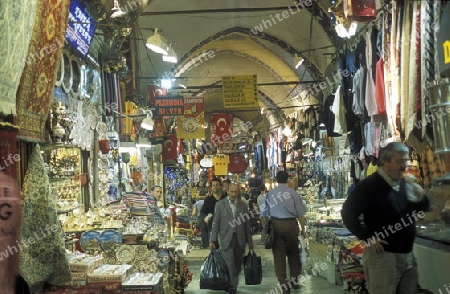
63,164
64,211
47,147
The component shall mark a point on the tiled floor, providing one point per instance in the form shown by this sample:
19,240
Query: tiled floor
312,284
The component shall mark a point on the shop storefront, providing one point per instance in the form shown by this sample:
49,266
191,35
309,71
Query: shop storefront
90,151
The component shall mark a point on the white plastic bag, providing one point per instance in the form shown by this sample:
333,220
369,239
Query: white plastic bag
304,253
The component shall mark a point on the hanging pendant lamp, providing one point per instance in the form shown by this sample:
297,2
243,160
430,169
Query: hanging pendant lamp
157,43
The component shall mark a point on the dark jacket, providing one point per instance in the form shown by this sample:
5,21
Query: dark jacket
387,214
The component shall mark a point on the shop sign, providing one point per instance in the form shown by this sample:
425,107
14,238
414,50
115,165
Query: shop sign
240,91
169,106
81,28
9,208
190,125
443,41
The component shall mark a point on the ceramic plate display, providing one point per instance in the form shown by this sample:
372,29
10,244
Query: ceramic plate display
125,254
110,258
141,252
164,258
110,240
153,255
101,129
89,241
103,163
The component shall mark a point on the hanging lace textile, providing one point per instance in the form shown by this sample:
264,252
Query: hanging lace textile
43,256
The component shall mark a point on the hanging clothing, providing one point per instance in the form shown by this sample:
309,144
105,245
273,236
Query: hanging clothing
338,108
380,95
220,163
358,92
237,164
44,261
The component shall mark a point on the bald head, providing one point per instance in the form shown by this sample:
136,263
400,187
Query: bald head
233,191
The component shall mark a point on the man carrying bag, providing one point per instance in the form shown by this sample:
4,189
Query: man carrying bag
252,268
232,233
214,272
285,209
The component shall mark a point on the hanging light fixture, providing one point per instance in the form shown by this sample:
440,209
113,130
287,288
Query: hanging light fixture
344,31
171,55
147,123
157,43
298,60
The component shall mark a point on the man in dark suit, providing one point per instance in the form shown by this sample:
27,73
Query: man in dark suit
231,229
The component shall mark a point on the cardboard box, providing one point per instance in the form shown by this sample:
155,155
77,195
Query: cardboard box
145,284
78,276
110,274
86,267
98,288
318,249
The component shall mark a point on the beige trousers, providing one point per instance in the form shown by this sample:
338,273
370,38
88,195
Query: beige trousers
390,273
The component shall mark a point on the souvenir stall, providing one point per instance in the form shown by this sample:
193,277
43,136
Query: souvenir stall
374,103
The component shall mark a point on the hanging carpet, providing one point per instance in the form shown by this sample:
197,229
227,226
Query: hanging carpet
38,77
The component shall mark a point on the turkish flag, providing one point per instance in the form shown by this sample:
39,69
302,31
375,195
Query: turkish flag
154,91
221,125
169,148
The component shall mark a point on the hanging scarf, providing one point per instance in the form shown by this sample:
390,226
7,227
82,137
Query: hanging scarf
43,259
16,25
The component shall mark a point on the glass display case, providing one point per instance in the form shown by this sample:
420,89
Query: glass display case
436,223
65,174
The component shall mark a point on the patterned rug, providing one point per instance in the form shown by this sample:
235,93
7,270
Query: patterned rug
15,33
38,77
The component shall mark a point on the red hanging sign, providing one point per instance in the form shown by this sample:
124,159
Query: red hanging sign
221,125
154,91
169,148
237,164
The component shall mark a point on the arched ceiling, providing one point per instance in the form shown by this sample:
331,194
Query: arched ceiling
226,31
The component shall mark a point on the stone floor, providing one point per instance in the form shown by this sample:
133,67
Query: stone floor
312,284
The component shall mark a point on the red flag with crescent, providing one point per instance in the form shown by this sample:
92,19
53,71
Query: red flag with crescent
221,125
154,91
169,148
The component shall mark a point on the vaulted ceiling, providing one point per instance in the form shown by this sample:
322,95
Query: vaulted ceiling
214,39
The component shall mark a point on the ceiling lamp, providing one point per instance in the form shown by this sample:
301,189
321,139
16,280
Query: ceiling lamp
171,56
118,12
157,43
166,83
298,60
147,123
346,31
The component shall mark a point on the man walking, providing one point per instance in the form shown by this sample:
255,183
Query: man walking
207,211
390,204
231,230
286,209
197,208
